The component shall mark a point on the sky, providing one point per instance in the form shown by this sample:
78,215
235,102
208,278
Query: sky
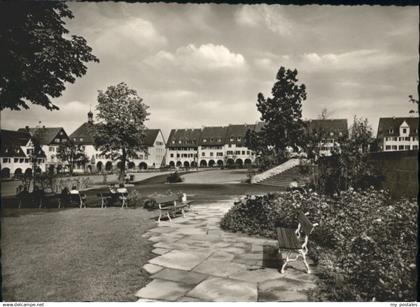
201,65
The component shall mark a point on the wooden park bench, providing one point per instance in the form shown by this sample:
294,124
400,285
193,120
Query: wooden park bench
291,240
72,199
171,204
106,199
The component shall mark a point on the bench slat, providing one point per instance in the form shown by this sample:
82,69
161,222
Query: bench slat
306,225
287,238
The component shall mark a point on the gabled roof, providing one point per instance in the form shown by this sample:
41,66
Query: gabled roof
327,126
45,135
237,131
20,138
213,136
390,126
184,138
84,135
150,136
11,142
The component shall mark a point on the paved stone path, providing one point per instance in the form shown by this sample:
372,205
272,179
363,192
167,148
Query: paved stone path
197,261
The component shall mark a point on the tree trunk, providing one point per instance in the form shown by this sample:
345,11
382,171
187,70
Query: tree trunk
122,166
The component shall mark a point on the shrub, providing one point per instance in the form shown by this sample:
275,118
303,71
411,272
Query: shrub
150,203
174,178
365,244
134,199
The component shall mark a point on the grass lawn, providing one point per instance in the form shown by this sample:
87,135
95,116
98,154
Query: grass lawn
88,254
74,254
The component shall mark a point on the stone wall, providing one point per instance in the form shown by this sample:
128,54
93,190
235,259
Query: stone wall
400,169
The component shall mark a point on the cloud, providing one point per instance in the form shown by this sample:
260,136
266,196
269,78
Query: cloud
131,36
354,60
272,17
205,57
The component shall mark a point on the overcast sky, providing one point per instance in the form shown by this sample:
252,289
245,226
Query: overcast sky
200,65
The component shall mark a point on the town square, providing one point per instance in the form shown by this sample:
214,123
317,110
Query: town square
169,152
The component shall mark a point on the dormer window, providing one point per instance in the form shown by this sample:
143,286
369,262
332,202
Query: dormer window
390,130
173,142
404,130
179,142
204,140
81,139
331,133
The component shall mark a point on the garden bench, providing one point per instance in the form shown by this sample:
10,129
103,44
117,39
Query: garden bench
170,204
291,240
72,199
106,199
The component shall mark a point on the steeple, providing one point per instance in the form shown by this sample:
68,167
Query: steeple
90,117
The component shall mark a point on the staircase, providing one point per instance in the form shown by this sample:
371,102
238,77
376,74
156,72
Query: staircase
275,170
283,179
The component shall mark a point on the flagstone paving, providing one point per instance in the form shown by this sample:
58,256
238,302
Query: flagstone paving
197,261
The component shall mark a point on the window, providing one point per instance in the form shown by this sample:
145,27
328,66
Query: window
230,145
400,139
219,139
26,160
179,142
388,147
51,149
21,160
211,139
172,155
16,160
204,140
395,138
390,131
404,130
231,139
331,133
57,140
243,152
202,154
177,155
29,151
173,142
401,147
220,154
407,138
407,147
237,152
340,133
239,139
229,152
211,154
74,139
5,160
81,139
415,147
247,152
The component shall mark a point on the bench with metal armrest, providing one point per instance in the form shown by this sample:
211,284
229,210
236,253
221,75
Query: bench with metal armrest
291,240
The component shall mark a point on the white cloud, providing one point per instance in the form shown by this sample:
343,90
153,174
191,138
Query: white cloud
354,60
130,36
270,16
204,57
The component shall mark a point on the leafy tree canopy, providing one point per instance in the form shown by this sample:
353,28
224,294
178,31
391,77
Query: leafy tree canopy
282,116
37,55
120,132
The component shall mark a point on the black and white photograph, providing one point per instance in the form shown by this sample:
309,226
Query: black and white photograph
208,152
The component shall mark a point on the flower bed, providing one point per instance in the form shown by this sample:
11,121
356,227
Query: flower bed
365,244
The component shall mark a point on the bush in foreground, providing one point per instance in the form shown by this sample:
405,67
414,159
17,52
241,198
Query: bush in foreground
365,244
174,178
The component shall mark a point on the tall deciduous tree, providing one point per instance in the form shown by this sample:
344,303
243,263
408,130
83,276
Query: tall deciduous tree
120,132
71,153
37,56
282,116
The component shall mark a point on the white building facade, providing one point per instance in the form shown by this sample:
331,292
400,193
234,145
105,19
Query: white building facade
398,133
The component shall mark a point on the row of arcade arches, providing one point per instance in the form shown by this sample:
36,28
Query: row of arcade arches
211,163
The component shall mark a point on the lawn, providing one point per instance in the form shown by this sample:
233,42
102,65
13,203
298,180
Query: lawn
74,254
88,254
